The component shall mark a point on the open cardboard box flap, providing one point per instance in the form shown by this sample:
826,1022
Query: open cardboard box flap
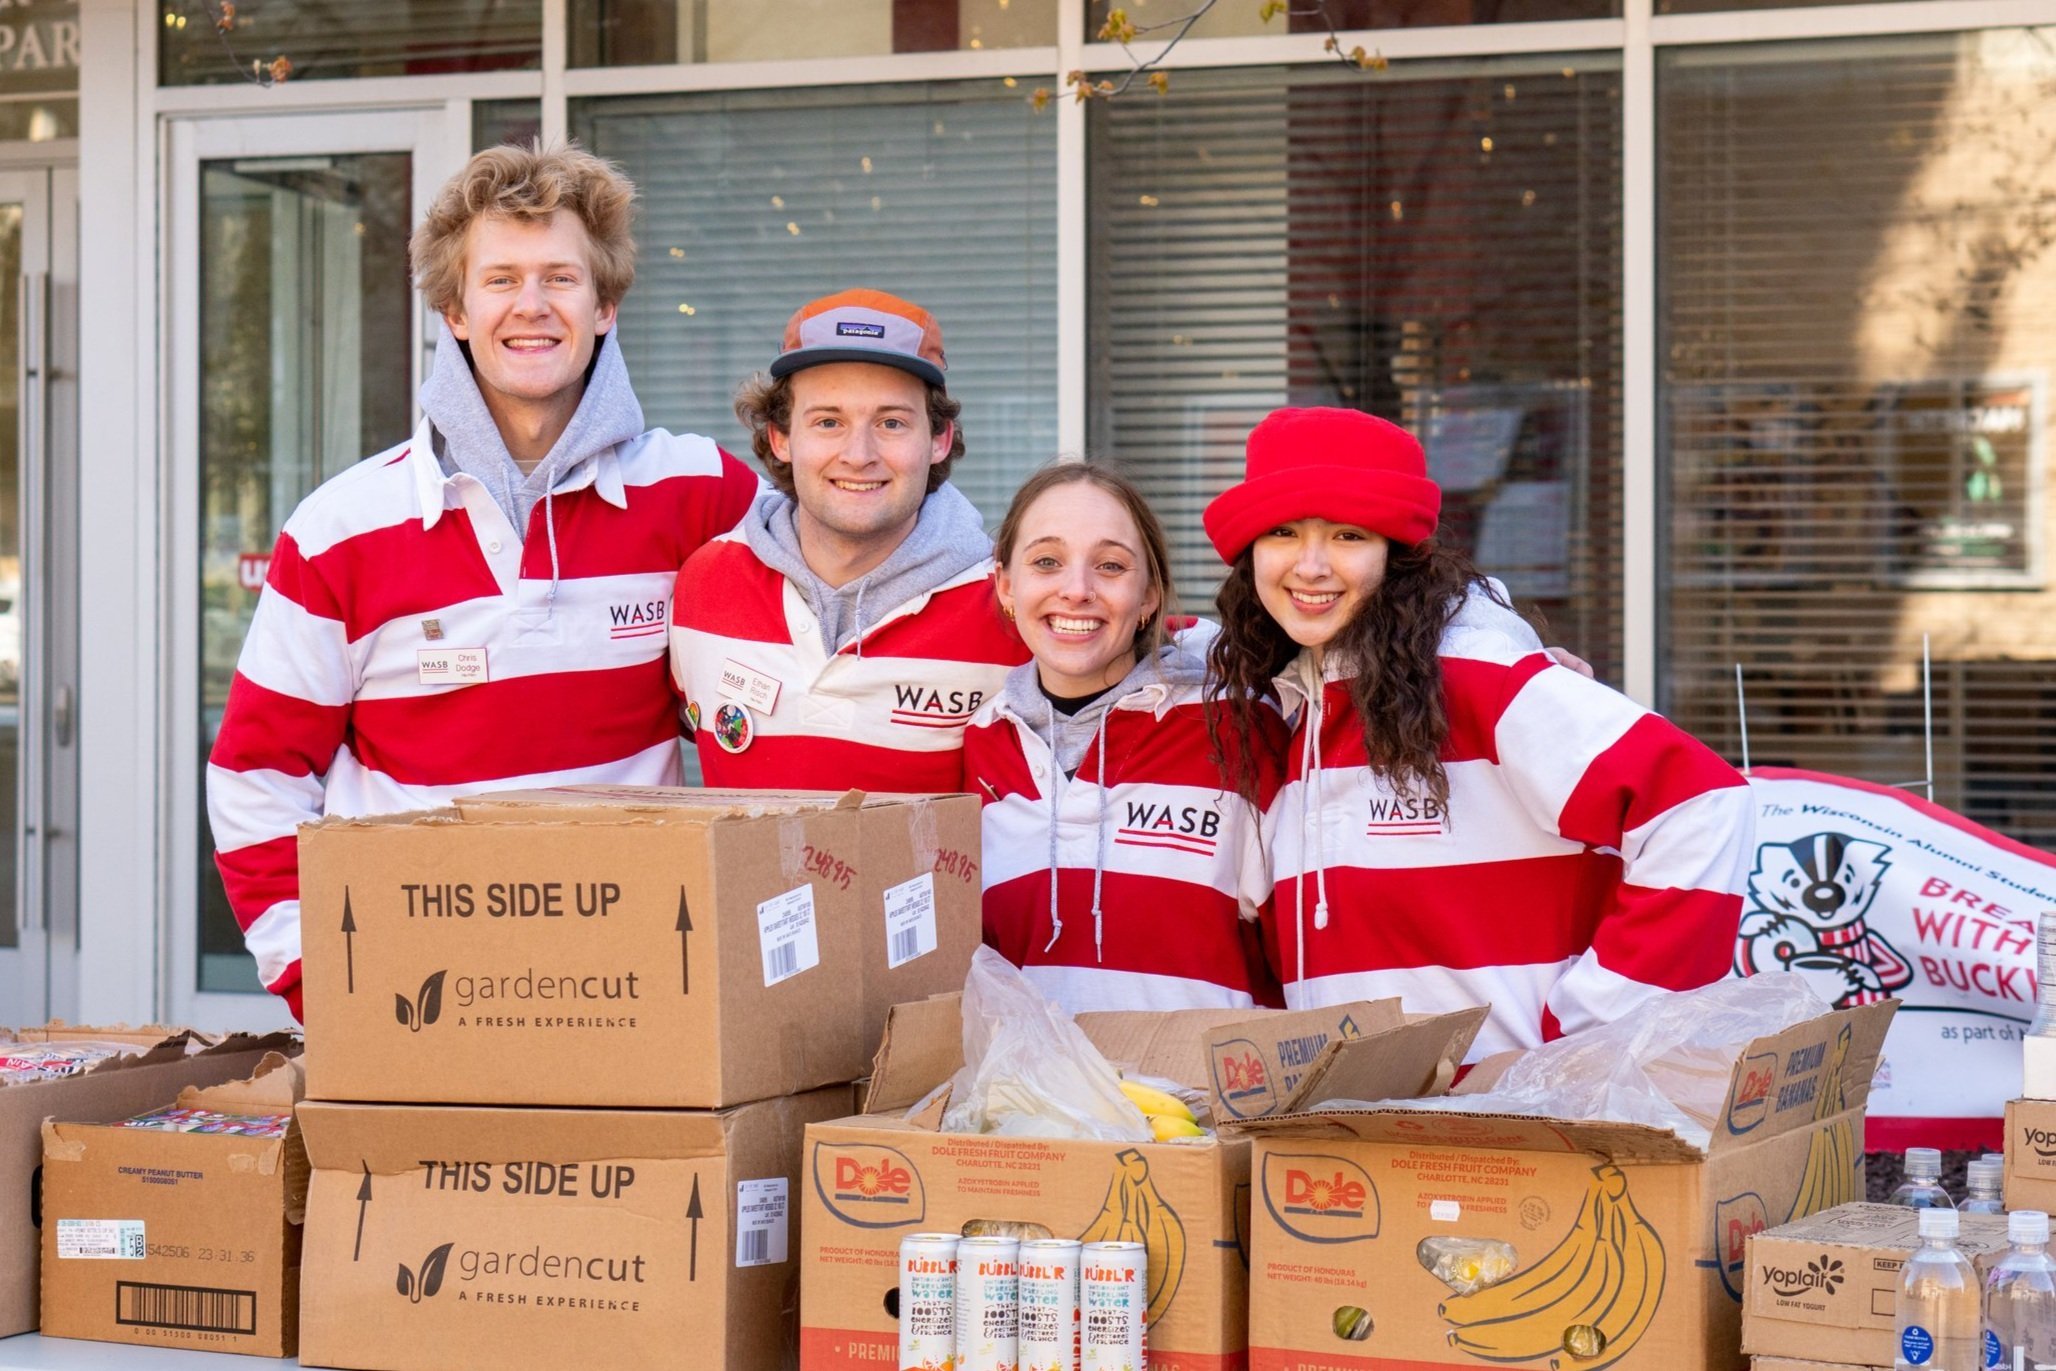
154,1043
278,1083
923,1045
616,803
1834,1052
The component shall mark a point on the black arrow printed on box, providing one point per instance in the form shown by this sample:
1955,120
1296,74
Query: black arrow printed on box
363,1203
694,1213
684,929
349,940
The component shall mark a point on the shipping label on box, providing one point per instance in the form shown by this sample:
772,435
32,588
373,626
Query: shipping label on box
181,1228
533,1238
1826,1287
161,1063
539,953
1629,1242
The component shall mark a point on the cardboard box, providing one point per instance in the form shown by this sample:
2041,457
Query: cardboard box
542,947
179,1239
875,1178
1345,1199
166,1061
1790,1364
547,1238
2031,1155
1825,1288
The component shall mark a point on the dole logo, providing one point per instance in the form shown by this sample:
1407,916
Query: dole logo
1240,1080
1753,1083
422,1285
1734,1220
1320,1198
869,1187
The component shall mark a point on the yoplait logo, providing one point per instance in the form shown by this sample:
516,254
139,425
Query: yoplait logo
869,1186
1823,1273
425,1008
1241,1081
1319,1198
422,1286
2040,1141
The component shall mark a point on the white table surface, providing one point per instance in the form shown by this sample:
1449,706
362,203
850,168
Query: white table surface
34,1352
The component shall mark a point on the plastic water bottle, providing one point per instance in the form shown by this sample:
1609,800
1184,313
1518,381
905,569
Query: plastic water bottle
2044,1023
1984,1192
2020,1298
1922,1188
1940,1324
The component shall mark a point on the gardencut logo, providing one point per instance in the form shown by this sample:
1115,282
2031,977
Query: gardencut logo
422,1285
1241,1081
868,1186
1320,1198
1824,1274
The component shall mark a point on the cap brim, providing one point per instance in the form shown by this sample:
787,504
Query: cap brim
801,358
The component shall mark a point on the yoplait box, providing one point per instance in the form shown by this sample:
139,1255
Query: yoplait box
546,1238
875,1178
2031,1154
540,947
1612,1244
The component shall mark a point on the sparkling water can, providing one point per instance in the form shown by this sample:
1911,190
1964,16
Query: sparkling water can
988,1304
1113,1297
1049,1304
928,1301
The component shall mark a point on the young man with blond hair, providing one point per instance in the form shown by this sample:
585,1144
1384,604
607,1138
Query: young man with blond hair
483,606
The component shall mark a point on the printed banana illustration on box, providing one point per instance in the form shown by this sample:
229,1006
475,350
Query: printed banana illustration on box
1833,1160
1584,1303
1133,1211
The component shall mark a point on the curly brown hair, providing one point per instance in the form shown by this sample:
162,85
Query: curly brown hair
1391,642
528,184
764,404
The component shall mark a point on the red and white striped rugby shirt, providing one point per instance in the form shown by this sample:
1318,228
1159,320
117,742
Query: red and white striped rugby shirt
1179,855
1592,853
335,709
886,712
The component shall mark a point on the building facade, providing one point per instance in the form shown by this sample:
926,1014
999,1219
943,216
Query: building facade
1729,329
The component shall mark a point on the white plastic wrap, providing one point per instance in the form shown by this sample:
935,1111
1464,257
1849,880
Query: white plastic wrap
1665,1064
1029,1071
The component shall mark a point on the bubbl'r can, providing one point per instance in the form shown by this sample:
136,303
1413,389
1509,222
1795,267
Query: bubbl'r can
988,1304
1049,1304
1113,1294
928,1301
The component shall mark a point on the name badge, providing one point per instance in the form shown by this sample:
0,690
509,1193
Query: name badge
747,686
451,665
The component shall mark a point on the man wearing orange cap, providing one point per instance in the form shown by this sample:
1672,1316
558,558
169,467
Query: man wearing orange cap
846,631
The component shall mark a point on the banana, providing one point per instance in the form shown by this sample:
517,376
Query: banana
1133,1212
1153,1101
1166,1127
1597,1290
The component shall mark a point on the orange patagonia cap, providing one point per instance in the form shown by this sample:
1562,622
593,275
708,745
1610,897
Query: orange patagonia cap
863,326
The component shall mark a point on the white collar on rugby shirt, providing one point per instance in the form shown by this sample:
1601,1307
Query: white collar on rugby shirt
602,473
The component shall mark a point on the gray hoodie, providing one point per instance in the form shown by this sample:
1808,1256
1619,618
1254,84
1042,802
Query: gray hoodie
1181,662
947,540
468,440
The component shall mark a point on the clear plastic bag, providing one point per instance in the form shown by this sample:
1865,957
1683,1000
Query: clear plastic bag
1665,1064
1029,1071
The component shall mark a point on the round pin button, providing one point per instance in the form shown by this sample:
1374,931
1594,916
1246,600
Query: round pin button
733,727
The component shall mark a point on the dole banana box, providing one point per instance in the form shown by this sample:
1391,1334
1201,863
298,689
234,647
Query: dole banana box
184,1232
539,1239
1626,1244
1825,1287
544,947
873,1179
161,1061
2031,1154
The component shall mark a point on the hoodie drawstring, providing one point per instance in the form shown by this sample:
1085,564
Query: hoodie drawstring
550,527
1056,919
1099,833
1309,823
1099,855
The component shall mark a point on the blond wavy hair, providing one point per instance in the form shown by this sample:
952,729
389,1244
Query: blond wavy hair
527,184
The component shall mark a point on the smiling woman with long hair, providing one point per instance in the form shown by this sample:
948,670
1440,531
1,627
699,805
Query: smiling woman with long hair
1462,821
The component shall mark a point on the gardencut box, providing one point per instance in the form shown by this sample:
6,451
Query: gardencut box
543,948
873,1179
179,1239
1620,1230
165,1061
1825,1288
547,1238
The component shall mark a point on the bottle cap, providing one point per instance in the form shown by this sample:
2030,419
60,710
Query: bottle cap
1923,1161
1999,1157
2030,1226
1938,1223
1984,1172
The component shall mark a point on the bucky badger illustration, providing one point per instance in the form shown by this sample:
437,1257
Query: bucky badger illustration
1810,898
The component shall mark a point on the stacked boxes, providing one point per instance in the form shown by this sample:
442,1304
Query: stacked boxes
682,975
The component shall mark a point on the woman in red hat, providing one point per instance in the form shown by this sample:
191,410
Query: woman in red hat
1463,821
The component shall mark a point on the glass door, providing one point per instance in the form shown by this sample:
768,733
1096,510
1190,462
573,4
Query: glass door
38,613
296,346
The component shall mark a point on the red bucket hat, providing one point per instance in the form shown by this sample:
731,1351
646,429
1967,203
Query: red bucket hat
1337,464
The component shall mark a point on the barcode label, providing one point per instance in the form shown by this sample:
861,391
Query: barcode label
101,1240
760,1217
910,920
195,1307
786,934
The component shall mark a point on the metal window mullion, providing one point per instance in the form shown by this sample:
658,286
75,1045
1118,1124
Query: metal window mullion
1281,49
556,120
1639,479
1072,317
1846,21
1031,64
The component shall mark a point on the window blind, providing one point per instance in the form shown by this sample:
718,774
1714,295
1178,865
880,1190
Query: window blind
328,39
1438,244
1857,256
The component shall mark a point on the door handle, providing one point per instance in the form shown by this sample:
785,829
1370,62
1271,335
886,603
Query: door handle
61,717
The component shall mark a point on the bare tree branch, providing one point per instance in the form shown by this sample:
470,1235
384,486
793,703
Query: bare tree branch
1120,28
